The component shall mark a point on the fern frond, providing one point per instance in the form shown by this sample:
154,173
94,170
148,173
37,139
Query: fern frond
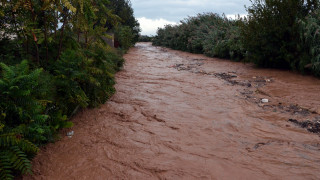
13,155
19,160
5,166
7,72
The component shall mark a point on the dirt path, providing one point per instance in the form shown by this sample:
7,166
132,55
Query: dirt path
182,116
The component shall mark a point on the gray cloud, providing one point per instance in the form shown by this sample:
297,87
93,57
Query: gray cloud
177,10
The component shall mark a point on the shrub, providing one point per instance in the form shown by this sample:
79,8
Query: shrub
23,122
208,33
85,78
270,33
102,65
310,42
124,35
68,75
23,102
277,34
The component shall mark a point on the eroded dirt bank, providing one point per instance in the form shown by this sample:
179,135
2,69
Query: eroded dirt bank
182,116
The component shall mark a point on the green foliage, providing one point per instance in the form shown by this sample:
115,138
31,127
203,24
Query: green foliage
271,34
68,66
22,102
58,120
10,52
15,153
208,33
68,75
144,38
124,36
123,9
85,79
310,41
276,33
100,68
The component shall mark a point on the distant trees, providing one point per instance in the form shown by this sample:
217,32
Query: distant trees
145,38
207,33
276,33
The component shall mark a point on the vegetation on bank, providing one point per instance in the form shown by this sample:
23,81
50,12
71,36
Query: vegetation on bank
54,61
145,38
277,34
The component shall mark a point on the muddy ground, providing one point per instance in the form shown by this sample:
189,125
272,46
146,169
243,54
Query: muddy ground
178,115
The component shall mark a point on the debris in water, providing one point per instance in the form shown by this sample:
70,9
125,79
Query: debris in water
70,134
265,100
232,75
311,126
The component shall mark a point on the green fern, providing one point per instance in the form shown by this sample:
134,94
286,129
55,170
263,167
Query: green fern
15,154
23,103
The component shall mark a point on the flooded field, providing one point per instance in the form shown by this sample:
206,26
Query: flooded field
178,115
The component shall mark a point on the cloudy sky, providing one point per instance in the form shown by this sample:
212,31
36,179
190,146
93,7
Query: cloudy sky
156,13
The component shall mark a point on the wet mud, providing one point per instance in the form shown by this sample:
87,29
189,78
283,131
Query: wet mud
178,115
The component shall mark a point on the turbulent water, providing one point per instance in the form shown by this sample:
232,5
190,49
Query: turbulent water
178,115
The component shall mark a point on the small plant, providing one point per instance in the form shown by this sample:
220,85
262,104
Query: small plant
15,155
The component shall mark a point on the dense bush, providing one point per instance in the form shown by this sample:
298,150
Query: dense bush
271,32
54,61
124,36
211,34
22,106
310,42
23,102
277,34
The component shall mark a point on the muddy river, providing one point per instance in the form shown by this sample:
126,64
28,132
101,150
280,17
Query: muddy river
178,115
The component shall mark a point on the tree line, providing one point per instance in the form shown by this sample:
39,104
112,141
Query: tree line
276,33
54,61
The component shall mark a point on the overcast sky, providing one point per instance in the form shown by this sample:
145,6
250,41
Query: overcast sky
156,13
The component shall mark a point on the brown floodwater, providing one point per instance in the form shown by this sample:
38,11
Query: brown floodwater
178,115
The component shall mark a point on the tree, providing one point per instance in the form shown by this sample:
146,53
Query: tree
53,61
123,9
270,34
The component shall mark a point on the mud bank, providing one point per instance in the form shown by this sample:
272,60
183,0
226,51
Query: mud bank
178,115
